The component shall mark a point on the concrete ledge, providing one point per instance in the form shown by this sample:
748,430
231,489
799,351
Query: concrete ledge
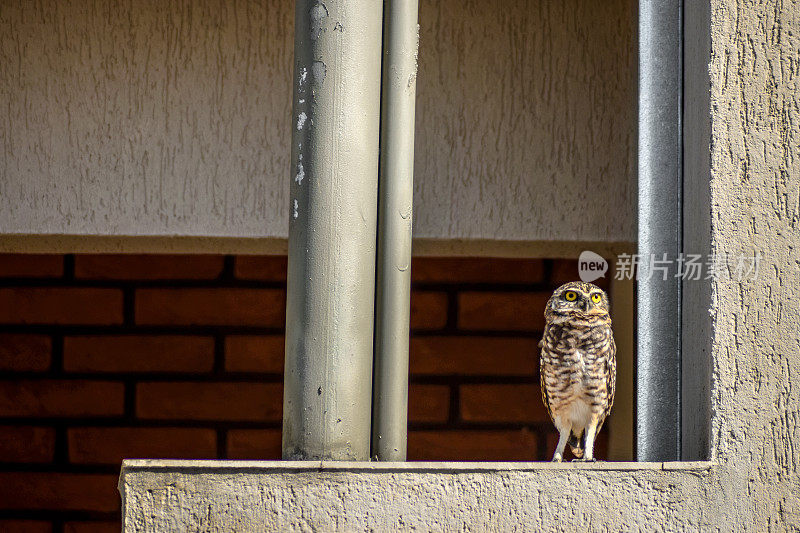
175,495
131,465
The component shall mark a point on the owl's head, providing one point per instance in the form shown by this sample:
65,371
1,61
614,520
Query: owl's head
578,300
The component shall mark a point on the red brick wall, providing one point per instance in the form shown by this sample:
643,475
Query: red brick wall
105,357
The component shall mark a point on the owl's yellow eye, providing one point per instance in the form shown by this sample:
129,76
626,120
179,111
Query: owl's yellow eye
596,297
571,296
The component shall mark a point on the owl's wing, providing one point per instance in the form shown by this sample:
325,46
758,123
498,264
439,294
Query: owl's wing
611,379
611,374
545,397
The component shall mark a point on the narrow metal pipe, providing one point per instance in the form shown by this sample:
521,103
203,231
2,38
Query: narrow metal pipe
332,228
393,288
658,299
696,328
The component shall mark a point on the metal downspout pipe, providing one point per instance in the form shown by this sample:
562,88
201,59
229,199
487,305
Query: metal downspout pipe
335,241
393,288
332,230
658,399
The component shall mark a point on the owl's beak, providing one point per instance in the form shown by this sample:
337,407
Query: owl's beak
586,306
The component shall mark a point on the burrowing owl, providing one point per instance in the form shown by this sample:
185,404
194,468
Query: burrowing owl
578,365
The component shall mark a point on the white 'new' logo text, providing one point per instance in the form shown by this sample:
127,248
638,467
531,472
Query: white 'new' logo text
591,266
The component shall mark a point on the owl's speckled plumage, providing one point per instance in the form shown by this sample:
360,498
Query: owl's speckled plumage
577,365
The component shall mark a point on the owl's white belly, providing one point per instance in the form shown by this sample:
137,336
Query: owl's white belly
576,415
574,412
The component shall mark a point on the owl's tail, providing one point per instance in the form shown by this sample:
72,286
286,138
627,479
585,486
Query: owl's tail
577,445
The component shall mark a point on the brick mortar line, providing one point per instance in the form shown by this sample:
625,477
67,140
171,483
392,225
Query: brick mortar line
541,445
90,469
69,267
59,515
155,423
454,408
252,377
61,447
56,354
545,287
220,356
547,270
166,284
129,400
228,268
128,306
444,427
233,282
478,379
227,425
144,377
69,330
222,443
199,330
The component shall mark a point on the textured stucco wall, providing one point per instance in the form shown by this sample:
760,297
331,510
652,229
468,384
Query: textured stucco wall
755,208
145,117
753,484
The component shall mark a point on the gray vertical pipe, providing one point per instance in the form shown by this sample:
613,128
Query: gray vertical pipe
695,319
332,228
658,350
393,289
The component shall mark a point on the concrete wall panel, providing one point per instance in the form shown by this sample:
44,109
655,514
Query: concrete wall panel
144,118
313,496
